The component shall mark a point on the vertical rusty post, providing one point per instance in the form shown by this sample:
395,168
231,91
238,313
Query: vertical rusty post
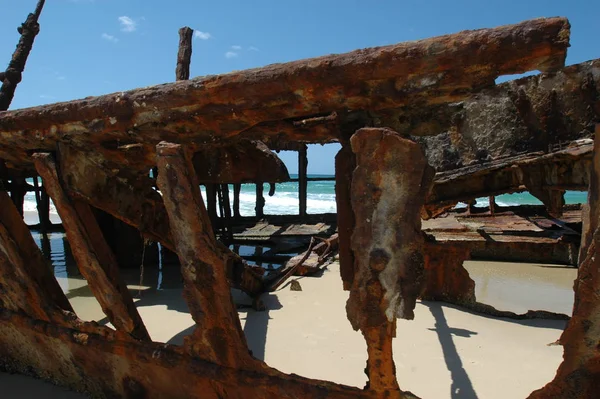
14,73
43,206
389,186
237,188
302,182
184,54
227,209
93,255
260,201
18,190
211,204
218,336
578,376
345,162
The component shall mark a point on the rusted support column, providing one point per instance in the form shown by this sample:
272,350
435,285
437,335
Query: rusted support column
43,205
211,204
590,214
227,215
237,188
95,259
260,201
184,55
446,279
13,74
578,376
218,336
389,186
18,190
345,162
302,182
26,279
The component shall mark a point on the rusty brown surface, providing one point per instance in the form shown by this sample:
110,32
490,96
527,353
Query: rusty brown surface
244,162
446,279
93,256
578,376
22,273
36,266
98,361
565,169
387,192
345,162
184,53
431,71
13,74
591,213
218,336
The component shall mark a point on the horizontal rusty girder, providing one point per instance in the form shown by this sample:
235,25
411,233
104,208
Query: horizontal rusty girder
564,169
214,108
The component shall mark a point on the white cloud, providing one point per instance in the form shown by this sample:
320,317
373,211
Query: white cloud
110,38
202,35
231,54
252,48
127,24
236,47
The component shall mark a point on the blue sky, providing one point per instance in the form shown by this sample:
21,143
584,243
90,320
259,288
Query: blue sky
92,47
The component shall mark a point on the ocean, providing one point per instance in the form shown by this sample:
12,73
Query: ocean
321,198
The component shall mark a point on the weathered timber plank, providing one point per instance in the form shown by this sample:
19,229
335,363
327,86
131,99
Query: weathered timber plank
36,267
578,376
218,336
106,366
93,256
591,213
388,189
431,71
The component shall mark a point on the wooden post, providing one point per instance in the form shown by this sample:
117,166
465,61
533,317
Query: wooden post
93,255
302,182
237,188
211,204
14,73
389,186
218,336
260,201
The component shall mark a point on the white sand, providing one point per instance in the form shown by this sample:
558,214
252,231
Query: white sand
443,350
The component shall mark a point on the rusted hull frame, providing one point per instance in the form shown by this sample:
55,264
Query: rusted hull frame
578,376
132,199
216,108
218,336
539,173
387,191
94,258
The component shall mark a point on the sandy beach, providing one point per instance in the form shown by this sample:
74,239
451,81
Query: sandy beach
446,352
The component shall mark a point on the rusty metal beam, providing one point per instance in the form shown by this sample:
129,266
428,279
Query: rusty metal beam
578,376
94,258
218,336
388,189
215,108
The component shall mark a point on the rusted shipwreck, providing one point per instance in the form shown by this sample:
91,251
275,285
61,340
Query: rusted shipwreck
401,112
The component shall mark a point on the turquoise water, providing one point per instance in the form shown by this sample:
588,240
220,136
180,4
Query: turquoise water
321,198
